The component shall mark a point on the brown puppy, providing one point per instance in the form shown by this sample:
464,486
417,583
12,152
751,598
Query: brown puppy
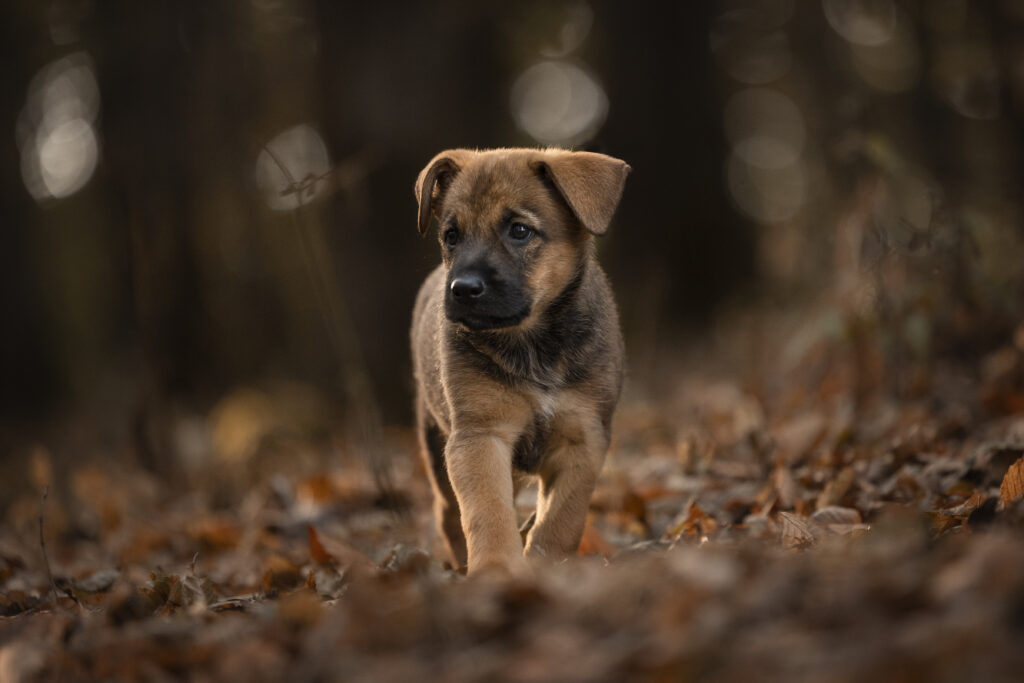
516,345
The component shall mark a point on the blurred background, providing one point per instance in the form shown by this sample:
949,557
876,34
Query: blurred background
207,208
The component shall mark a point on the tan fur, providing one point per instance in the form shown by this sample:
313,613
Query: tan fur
540,393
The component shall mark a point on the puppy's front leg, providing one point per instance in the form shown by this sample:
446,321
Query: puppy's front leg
567,482
480,467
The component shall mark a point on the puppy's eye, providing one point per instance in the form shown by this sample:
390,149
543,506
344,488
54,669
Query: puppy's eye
451,237
519,232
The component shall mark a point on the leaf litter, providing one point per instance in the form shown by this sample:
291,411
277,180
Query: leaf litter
725,541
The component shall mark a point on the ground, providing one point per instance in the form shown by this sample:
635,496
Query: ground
774,526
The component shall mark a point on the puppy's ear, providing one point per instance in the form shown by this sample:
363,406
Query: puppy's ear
590,183
434,180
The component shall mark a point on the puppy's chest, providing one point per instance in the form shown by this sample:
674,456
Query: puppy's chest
552,423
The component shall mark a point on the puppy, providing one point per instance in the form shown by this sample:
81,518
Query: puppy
516,346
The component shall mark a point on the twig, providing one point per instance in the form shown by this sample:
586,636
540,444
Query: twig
355,379
42,544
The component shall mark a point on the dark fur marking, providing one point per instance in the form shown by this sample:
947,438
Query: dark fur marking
463,348
531,445
557,352
435,447
504,303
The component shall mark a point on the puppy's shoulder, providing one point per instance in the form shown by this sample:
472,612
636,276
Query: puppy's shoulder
427,319
429,298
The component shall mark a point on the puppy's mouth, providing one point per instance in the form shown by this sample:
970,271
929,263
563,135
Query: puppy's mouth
482,321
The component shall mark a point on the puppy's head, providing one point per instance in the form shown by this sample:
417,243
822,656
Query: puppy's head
514,226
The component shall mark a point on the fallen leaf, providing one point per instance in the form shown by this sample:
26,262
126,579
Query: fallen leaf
14,602
795,531
301,609
314,490
280,574
836,489
1012,488
327,581
406,560
840,520
942,523
316,548
192,591
836,515
97,582
593,542
142,542
159,588
233,604
215,533
340,556
633,505
785,485
697,523
975,500
799,435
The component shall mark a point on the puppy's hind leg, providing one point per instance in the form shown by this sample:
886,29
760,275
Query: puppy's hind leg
446,507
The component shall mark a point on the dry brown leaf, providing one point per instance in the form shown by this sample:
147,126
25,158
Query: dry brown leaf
593,542
795,531
837,515
281,574
796,437
96,582
316,548
141,542
634,506
696,524
785,485
836,490
168,592
941,522
301,608
1012,488
972,503
14,602
315,490
407,560
215,533
735,469
848,529
341,556
840,520
650,491
192,591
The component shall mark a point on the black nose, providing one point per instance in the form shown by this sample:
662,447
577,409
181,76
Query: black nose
467,287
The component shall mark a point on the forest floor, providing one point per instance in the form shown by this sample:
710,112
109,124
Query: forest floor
766,527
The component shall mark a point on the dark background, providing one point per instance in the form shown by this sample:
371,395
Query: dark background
166,279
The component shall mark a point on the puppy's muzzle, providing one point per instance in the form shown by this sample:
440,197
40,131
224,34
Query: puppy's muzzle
482,302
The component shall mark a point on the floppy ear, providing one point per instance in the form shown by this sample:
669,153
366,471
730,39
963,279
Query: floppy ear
434,180
590,183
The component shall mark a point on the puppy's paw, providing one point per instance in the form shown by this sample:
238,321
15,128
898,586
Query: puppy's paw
501,567
540,554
